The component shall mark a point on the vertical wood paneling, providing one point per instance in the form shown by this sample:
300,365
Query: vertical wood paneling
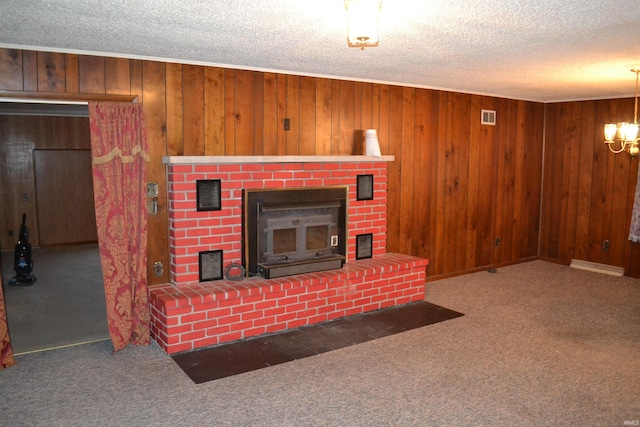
10,69
598,191
534,132
293,113
407,202
92,74
307,118
282,114
175,120
30,70
597,187
135,67
51,72
583,206
154,106
258,113
335,117
214,111
117,76
551,185
323,117
17,178
244,113
64,189
366,115
473,195
520,215
347,117
422,176
71,73
485,244
19,137
394,180
358,136
463,181
270,114
229,112
454,185
193,110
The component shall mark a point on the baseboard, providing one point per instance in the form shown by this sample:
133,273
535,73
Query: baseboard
598,268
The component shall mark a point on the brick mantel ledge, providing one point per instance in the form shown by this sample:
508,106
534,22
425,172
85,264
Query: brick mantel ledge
190,316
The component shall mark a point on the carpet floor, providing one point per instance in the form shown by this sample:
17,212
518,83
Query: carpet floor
65,306
248,355
540,344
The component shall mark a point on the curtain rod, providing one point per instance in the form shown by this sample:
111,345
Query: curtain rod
63,97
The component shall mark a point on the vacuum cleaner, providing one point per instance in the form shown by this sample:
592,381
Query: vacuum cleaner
23,261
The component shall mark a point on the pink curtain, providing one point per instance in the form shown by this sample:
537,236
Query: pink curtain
6,353
119,162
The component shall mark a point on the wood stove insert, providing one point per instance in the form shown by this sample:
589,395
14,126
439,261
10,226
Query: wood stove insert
294,231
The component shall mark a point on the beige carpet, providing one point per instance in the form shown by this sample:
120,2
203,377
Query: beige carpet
540,345
66,304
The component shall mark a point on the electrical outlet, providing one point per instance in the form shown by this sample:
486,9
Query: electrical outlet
497,241
158,269
605,245
10,233
287,124
152,190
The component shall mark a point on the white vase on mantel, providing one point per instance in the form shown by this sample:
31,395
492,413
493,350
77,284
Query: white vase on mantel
372,147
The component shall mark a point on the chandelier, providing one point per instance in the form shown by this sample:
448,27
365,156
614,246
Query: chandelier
362,25
624,134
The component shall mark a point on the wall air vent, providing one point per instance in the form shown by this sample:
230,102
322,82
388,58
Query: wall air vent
488,117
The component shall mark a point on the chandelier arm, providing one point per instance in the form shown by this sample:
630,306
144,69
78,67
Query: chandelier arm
622,147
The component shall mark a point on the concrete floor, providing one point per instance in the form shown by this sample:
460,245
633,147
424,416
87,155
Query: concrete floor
65,305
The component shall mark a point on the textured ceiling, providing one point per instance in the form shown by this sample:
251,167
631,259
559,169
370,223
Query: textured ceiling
541,50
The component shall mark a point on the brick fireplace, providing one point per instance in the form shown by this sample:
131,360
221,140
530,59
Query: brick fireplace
189,313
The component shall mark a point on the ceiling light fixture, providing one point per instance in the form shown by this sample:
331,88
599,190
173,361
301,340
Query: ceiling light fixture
362,22
624,133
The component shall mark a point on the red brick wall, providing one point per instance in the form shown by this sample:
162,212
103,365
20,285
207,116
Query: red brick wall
191,232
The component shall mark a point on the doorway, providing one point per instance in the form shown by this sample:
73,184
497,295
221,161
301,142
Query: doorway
45,151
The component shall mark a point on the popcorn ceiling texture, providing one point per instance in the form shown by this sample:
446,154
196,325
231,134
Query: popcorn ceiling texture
543,50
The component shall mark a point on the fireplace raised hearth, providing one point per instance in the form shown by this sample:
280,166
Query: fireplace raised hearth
199,309
294,231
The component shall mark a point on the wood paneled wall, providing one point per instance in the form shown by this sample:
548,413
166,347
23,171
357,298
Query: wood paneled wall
19,137
588,191
454,187
64,190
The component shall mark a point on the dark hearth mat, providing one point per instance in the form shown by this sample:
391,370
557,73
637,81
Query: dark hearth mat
243,356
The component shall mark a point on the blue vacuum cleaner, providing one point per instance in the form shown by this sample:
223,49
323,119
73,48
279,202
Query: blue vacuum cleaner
23,261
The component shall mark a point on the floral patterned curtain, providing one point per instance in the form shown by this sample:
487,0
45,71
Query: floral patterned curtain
634,232
6,353
119,162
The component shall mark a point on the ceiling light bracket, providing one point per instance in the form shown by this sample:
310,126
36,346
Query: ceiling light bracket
362,22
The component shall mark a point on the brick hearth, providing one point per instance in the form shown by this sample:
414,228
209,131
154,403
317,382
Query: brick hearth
187,314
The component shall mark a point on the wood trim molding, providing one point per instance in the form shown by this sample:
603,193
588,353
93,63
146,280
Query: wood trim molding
66,97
